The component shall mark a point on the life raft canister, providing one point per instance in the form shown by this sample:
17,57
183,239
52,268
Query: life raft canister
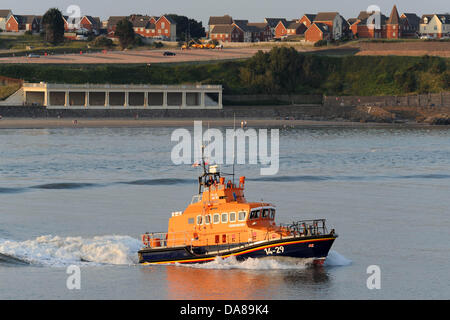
146,239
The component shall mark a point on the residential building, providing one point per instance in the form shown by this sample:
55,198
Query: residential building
369,25
162,28
225,33
412,24
435,25
92,24
281,29
335,22
296,28
273,23
16,23
307,19
4,15
393,27
225,20
318,31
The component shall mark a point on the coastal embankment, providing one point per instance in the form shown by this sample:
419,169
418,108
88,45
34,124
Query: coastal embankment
285,110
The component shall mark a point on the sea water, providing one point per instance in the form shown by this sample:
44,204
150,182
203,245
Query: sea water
84,196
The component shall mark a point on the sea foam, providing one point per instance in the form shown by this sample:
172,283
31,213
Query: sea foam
59,251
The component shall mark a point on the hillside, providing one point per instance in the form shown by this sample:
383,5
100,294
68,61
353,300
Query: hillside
280,71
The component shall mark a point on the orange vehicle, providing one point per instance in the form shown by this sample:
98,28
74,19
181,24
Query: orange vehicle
220,222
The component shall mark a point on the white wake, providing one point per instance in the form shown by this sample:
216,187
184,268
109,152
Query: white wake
270,263
59,251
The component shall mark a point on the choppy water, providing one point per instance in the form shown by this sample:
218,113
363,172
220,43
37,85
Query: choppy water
83,197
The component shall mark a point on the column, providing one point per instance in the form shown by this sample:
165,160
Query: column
165,99
219,102
202,99
46,97
183,99
106,98
126,99
146,99
66,99
86,99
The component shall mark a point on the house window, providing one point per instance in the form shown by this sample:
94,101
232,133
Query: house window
159,30
163,25
166,31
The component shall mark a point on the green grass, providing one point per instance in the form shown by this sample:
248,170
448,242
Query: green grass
280,71
7,90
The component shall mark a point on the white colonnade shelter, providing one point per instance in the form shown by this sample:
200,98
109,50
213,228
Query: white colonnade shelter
129,96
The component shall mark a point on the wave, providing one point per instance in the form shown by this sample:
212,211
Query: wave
12,190
173,181
58,251
155,182
62,186
9,260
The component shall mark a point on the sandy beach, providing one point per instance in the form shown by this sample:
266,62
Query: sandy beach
38,123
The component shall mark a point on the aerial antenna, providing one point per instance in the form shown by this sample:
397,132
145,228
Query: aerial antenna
234,129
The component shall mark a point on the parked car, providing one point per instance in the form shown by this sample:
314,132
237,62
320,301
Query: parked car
169,53
33,55
82,37
425,36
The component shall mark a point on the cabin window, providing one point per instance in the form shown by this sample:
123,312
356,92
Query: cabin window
199,220
254,214
216,218
224,217
208,219
265,213
232,216
242,215
272,214
191,221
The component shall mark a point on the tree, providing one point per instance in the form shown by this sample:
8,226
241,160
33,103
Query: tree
53,25
187,28
125,33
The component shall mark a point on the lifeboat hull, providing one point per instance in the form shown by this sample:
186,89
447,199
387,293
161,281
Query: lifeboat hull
315,248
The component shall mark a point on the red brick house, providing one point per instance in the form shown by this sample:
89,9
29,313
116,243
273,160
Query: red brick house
225,33
17,23
167,28
273,22
91,24
375,25
318,31
281,29
307,19
163,28
369,25
393,28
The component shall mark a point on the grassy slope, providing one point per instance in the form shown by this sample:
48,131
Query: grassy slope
267,73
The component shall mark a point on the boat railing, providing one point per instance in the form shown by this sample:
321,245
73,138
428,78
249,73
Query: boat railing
162,240
306,227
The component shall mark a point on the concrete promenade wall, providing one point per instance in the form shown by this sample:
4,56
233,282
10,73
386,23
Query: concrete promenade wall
420,100
261,112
